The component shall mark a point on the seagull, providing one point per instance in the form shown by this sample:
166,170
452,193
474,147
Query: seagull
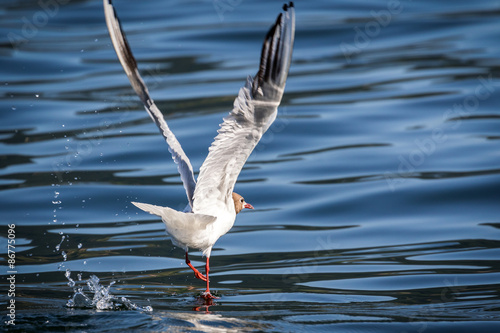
212,204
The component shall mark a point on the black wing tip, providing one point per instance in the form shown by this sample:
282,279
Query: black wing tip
274,59
285,6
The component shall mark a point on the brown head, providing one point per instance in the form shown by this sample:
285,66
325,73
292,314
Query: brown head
239,203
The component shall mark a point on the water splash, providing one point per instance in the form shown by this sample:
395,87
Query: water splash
102,298
79,300
71,282
58,246
57,203
97,296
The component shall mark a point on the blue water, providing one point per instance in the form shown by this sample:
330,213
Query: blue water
377,189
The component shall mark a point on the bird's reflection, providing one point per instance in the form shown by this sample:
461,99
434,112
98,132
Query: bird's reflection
201,320
203,304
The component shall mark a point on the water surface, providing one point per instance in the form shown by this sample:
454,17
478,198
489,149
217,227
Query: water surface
376,190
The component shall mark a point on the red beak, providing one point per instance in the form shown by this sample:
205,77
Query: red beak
247,205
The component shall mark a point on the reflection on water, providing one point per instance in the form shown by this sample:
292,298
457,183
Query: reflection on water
376,190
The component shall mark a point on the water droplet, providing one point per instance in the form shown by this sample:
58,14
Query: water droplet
37,95
71,283
80,245
58,246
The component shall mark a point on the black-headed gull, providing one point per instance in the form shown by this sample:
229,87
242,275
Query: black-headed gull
212,204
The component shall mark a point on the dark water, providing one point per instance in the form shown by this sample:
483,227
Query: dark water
377,190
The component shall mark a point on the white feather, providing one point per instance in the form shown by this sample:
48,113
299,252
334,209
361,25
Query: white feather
130,66
211,213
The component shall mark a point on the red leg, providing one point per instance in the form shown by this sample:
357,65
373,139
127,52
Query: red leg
207,295
207,269
197,273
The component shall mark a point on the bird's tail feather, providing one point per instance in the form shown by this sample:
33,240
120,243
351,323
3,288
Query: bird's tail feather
174,219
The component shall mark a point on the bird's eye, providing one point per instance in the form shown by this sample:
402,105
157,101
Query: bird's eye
241,200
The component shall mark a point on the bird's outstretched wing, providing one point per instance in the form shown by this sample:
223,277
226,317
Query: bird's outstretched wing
130,66
254,110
